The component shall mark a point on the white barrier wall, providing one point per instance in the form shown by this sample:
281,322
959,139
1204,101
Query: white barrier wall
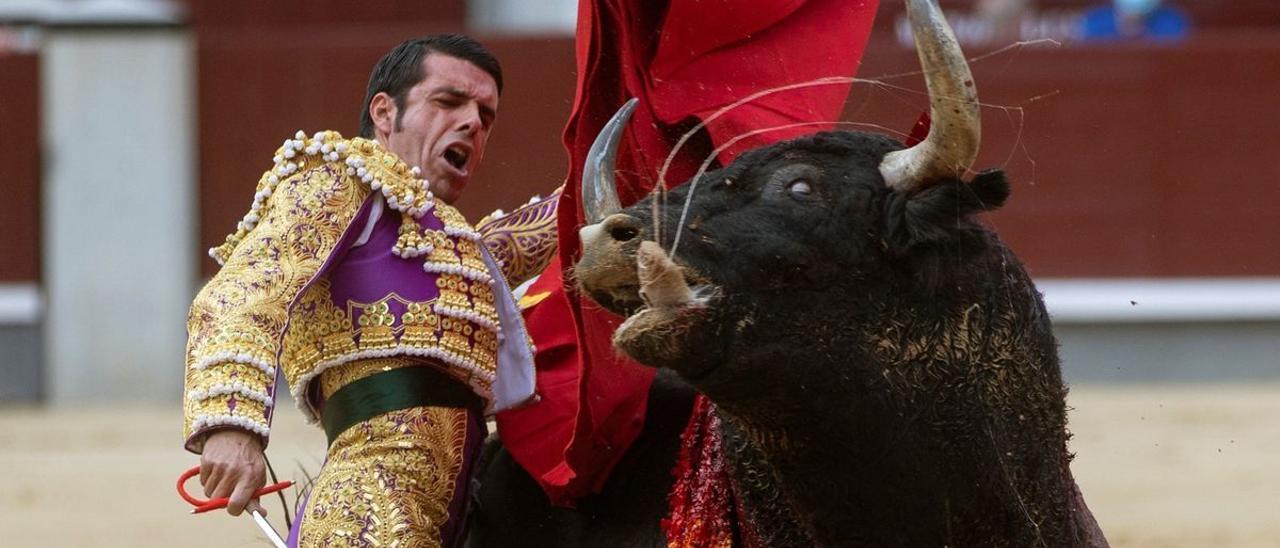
119,229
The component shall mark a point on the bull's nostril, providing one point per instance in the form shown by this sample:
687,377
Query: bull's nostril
622,227
623,233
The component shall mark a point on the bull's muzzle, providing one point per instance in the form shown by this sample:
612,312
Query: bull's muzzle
618,228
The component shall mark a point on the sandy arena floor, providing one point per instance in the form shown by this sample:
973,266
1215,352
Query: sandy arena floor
1161,466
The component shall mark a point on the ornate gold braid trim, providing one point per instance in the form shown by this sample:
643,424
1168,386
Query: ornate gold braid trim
364,159
523,241
301,210
238,317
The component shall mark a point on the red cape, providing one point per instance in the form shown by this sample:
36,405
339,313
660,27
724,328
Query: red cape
684,60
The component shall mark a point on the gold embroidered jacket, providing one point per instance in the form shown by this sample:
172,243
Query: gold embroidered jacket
272,309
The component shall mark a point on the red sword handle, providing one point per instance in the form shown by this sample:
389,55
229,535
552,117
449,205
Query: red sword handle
202,506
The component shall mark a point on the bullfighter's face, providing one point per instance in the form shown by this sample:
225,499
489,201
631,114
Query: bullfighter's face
444,124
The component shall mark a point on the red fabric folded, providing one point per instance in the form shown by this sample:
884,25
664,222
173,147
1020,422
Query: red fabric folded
684,60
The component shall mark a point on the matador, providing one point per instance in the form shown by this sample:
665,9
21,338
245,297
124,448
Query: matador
354,283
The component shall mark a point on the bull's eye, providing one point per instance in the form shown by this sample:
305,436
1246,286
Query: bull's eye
800,188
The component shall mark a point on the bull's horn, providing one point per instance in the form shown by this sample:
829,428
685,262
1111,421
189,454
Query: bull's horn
956,129
599,195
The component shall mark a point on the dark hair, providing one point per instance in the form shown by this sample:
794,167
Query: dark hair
401,69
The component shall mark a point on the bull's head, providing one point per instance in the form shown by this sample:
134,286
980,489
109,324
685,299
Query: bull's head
835,299
812,214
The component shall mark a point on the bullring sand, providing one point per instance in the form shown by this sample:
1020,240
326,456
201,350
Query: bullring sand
1161,466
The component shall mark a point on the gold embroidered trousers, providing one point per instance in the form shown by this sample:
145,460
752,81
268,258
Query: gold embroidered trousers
398,479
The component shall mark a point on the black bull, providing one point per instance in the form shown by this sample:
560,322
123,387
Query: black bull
884,370
884,355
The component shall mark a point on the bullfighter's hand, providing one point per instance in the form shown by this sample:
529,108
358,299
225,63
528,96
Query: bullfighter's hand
233,465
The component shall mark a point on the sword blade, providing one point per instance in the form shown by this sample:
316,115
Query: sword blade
271,533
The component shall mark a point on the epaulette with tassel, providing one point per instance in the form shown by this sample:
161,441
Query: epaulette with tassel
402,187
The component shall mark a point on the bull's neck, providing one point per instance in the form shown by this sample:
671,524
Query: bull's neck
796,388
888,420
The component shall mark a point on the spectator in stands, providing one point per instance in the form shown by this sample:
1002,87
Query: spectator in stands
1125,19
1002,11
1004,16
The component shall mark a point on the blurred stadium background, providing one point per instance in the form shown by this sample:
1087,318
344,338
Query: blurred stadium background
1146,170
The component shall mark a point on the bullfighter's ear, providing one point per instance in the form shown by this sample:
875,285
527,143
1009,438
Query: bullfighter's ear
932,215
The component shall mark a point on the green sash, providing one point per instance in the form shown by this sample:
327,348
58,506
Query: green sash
401,388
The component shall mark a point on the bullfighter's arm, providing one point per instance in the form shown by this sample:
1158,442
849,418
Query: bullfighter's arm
523,241
236,323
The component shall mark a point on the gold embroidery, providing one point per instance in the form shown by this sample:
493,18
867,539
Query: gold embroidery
317,324
239,315
377,326
469,255
453,220
255,314
420,326
335,378
450,295
482,301
455,337
388,481
442,249
212,406
206,378
411,242
485,350
523,241
365,160
322,337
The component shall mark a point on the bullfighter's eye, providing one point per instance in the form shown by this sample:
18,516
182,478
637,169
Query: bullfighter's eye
800,188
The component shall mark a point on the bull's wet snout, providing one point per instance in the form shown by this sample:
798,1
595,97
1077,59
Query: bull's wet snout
622,227
616,229
607,269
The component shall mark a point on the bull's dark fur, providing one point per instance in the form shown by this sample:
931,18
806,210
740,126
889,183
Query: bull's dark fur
884,368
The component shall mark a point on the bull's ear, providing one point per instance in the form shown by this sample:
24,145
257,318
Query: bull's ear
939,213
